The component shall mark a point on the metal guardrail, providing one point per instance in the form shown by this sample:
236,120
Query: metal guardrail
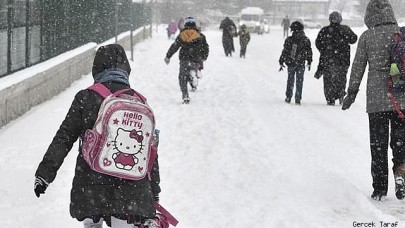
32,31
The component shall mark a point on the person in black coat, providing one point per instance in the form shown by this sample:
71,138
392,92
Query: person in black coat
228,33
333,43
95,196
194,51
297,49
285,23
244,39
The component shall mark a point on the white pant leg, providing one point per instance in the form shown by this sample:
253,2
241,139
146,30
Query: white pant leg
118,223
88,223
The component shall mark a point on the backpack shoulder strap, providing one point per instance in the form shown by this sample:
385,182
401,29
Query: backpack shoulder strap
103,91
394,101
170,218
100,89
143,99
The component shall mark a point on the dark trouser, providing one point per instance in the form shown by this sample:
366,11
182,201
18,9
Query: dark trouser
227,43
379,138
334,82
295,73
285,34
243,49
184,76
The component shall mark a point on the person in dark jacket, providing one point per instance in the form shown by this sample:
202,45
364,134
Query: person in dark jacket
386,127
285,23
228,33
194,50
297,49
244,39
333,43
97,197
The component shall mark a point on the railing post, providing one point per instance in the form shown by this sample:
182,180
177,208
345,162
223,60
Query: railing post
10,25
27,34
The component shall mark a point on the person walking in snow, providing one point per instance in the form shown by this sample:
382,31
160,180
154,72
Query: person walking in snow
194,50
386,127
244,38
297,49
171,29
285,23
228,33
333,43
97,197
180,23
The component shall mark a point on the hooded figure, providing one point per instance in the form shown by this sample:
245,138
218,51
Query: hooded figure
95,196
194,50
228,32
386,127
333,43
297,50
244,39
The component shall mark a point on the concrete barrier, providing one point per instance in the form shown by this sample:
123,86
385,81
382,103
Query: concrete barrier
41,85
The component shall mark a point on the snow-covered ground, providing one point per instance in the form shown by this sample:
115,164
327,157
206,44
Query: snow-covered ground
237,156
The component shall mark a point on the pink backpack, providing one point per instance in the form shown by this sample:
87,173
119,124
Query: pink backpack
121,143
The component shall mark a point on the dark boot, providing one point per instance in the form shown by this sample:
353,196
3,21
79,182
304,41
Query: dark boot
378,195
399,176
330,102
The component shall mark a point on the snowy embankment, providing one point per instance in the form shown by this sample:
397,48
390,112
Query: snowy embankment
237,156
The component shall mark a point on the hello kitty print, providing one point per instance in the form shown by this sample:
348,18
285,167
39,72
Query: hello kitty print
127,144
124,150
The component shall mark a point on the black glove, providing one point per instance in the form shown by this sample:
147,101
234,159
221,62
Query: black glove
167,60
318,74
281,67
40,186
156,198
348,100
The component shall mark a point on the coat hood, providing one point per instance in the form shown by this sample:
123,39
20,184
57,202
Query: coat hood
379,12
188,35
110,56
296,26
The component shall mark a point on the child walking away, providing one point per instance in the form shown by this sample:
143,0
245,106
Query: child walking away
171,29
244,38
297,49
194,50
117,173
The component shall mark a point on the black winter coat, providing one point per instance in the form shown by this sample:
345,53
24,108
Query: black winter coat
227,25
93,193
333,43
193,46
297,49
244,37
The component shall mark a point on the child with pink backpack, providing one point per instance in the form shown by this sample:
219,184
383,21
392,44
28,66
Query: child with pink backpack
117,172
